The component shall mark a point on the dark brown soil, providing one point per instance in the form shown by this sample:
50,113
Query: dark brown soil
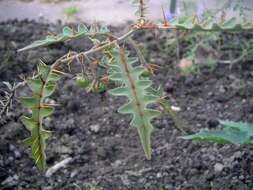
111,156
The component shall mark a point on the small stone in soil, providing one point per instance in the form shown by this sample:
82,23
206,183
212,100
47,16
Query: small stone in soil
10,181
101,152
218,167
95,128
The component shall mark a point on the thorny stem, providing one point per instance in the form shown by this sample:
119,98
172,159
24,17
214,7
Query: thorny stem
76,56
142,8
65,59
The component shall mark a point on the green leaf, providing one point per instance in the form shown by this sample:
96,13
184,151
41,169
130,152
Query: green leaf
186,23
134,87
82,28
99,89
43,85
67,31
46,111
49,89
54,77
35,85
81,82
67,34
104,29
30,102
230,23
43,71
232,133
51,38
30,123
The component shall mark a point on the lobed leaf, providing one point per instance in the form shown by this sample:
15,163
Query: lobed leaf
42,86
67,34
188,23
135,88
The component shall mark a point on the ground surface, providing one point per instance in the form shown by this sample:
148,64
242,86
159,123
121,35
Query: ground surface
104,149
110,12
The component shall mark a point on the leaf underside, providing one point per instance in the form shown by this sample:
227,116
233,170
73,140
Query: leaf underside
232,133
134,87
42,86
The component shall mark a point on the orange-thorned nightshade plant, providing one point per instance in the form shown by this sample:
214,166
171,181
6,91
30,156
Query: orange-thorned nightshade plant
129,74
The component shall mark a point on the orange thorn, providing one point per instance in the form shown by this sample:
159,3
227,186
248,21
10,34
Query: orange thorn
152,68
105,79
194,19
95,62
165,21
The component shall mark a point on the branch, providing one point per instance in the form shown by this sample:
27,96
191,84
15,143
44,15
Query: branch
234,61
10,97
58,166
65,59
138,52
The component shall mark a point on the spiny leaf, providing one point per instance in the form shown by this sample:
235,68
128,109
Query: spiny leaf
30,123
67,31
104,29
232,133
82,28
186,23
42,86
30,102
67,34
134,87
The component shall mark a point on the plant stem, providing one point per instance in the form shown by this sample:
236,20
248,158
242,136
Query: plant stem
94,50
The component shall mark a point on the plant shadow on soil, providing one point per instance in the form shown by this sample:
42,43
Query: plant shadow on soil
105,150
